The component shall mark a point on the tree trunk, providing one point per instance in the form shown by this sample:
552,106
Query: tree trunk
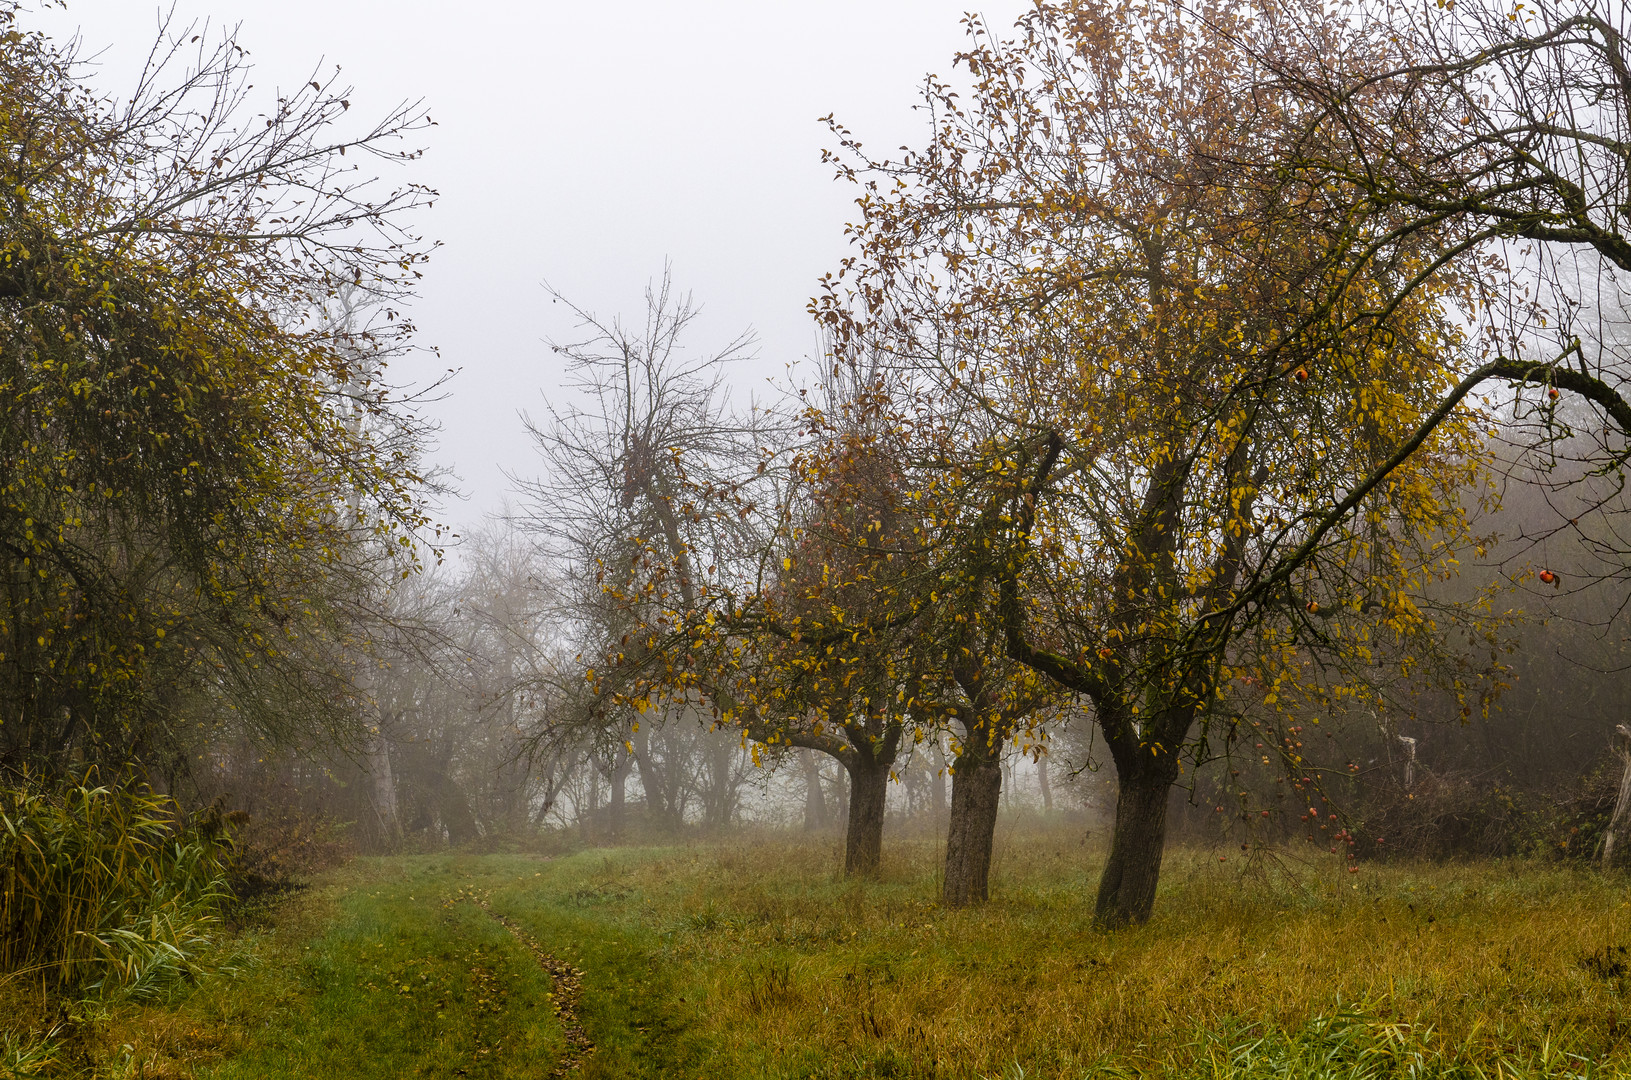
382,784
1613,852
976,791
719,801
586,814
1042,782
863,837
456,815
939,766
1127,889
615,814
841,793
659,807
815,804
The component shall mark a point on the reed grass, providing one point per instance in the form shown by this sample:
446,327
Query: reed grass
103,889
29,1054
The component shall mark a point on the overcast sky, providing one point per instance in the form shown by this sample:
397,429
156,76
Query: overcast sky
586,142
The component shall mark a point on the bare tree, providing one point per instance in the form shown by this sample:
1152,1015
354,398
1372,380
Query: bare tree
652,432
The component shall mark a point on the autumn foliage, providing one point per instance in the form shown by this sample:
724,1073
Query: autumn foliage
182,450
1133,421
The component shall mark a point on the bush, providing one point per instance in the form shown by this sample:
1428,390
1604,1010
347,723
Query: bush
272,851
1579,816
1446,816
1458,815
105,888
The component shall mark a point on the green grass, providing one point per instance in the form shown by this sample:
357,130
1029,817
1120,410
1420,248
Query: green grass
385,969
406,981
753,959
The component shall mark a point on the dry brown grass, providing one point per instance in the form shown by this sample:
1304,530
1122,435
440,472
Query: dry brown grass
791,969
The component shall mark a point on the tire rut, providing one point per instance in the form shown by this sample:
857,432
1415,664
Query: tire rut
566,979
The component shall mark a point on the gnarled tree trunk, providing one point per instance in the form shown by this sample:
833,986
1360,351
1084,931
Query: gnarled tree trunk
863,836
977,785
976,791
1127,888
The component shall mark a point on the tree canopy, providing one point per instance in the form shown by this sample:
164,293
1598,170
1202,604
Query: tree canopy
186,473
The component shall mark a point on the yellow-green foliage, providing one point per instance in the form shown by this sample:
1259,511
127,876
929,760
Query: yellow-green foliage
195,458
100,889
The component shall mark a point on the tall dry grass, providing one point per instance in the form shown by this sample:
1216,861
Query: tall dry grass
1512,967
105,887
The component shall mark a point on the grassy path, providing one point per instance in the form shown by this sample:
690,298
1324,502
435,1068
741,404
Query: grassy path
567,990
404,981
448,966
753,960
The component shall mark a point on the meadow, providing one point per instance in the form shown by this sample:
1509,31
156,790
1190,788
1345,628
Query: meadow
752,958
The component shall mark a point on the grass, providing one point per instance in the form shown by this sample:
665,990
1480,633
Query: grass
104,890
409,978
753,959
778,969
384,970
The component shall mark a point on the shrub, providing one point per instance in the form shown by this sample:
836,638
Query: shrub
105,888
272,851
1458,815
1452,815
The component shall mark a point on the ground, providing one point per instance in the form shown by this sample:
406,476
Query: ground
753,958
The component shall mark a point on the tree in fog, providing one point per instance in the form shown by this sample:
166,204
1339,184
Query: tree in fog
187,501
862,588
851,641
811,660
477,661
616,507
1510,125
1145,429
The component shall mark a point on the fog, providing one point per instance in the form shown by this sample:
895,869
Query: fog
585,145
